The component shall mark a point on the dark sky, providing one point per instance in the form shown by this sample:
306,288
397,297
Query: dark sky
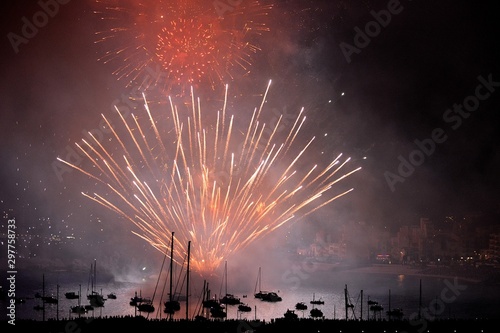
394,88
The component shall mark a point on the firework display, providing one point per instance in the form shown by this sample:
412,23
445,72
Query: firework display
193,172
173,45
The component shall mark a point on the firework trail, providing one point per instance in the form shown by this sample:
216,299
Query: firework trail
173,45
215,185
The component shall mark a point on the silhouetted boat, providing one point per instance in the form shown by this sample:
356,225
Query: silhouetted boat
218,312
230,299
317,301
244,308
268,296
112,296
171,306
95,299
376,308
208,301
135,300
301,306
146,306
316,313
79,309
259,294
271,297
215,304
71,295
290,315
396,313
211,303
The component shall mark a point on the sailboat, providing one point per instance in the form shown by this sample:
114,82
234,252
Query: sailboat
146,305
268,296
396,313
208,301
260,293
48,299
214,306
316,313
301,306
136,299
95,299
229,299
71,295
290,315
79,309
218,309
317,301
171,306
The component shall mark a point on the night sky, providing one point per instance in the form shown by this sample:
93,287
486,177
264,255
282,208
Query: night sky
431,73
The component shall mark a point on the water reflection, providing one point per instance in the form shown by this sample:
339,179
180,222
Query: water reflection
473,300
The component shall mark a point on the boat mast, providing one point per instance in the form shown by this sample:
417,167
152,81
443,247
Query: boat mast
225,278
80,301
258,281
346,303
389,303
57,304
260,278
171,263
187,282
43,297
361,311
420,300
94,284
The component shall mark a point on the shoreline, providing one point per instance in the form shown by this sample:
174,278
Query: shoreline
276,325
397,269
467,274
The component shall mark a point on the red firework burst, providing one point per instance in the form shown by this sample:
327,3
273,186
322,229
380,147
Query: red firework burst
174,45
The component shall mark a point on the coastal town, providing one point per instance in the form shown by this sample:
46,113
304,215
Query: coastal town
455,242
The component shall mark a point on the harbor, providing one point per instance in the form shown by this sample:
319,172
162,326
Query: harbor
390,287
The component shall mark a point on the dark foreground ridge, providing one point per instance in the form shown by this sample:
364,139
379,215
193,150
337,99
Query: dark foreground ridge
141,324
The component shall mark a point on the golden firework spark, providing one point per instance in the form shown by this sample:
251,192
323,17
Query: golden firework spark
219,187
